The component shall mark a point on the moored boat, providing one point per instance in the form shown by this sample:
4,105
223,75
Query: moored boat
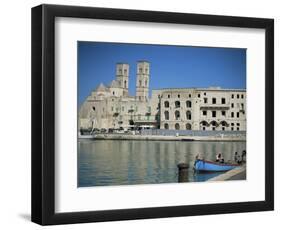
86,136
211,166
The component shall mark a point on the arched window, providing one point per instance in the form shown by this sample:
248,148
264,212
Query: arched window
94,108
139,82
166,104
188,104
146,83
177,104
177,126
214,123
166,115
166,126
177,115
188,126
125,84
188,115
204,124
223,123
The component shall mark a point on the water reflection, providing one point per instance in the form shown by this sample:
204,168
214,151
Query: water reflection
110,162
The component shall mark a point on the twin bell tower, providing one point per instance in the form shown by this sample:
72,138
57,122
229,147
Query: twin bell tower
142,81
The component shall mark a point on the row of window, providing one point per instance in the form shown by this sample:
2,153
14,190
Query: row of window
145,83
120,71
189,127
222,128
177,104
140,98
189,95
223,113
223,101
177,126
141,70
214,101
237,96
215,125
239,105
199,95
177,115
204,112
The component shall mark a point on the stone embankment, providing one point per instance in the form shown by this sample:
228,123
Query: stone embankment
166,138
238,173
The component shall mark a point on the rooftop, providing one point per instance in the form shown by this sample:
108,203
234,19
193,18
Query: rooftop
203,89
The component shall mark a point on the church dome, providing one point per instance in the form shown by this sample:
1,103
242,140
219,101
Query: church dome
114,84
101,88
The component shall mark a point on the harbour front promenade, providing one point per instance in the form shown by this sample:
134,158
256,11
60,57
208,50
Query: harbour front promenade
172,135
167,138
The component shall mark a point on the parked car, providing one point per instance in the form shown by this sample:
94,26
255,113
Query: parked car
110,130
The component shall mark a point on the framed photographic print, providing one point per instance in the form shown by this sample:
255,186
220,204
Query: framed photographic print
143,114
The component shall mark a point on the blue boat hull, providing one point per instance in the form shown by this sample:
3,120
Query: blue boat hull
208,166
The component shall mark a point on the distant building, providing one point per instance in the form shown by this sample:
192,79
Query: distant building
111,106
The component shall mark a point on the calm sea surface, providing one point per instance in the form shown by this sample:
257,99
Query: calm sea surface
115,162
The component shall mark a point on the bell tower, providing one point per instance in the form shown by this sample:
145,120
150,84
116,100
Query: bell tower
142,83
122,76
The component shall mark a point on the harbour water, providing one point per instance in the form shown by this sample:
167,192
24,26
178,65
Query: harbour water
127,162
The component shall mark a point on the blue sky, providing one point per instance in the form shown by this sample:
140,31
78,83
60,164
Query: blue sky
171,66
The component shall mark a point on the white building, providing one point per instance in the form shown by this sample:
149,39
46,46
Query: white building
183,109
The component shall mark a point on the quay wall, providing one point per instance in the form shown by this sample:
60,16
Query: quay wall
202,133
234,174
169,138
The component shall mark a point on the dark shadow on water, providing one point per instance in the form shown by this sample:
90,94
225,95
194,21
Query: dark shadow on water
25,216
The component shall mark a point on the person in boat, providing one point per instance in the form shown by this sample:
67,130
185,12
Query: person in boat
239,161
219,158
244,156
198,157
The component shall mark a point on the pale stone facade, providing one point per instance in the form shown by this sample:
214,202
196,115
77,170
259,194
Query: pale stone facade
203,109
184,108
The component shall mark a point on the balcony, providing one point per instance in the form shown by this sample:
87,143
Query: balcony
214,107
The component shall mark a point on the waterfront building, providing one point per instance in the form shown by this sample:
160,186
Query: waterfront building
111,107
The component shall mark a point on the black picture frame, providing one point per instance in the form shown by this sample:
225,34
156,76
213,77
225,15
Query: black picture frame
43,114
